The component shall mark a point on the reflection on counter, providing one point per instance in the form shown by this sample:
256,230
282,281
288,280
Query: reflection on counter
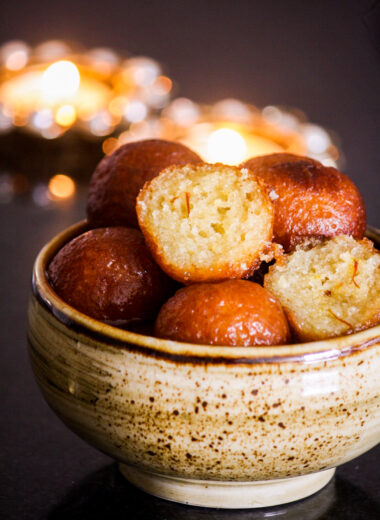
105,494
59,188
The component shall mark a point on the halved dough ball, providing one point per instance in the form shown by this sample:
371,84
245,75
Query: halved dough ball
329,290
119,177
310,200
235,312
109,274
206,222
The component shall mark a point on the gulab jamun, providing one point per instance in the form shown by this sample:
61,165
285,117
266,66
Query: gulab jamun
310,199
206,223
109,274
234,312
120,176
330,289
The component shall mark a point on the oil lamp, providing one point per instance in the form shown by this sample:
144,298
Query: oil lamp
57,104
231,131
54,87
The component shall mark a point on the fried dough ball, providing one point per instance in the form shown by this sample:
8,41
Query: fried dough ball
206,222
234,312
310,200
109,274
119,177
329,290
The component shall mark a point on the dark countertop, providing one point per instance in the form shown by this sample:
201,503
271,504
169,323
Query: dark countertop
47,472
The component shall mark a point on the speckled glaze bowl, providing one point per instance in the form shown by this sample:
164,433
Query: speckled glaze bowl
232,427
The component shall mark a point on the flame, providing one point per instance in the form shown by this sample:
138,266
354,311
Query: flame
226,146
60,81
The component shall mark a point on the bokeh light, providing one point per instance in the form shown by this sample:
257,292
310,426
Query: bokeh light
65,115
61,186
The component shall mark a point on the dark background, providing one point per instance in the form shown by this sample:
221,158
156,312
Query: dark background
321,57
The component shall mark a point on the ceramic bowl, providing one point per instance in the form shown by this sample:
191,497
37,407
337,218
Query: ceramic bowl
232,427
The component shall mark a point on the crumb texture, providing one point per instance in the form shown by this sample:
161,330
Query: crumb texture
206,222
330,289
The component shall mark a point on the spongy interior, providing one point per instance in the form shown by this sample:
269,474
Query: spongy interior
208,215
332,288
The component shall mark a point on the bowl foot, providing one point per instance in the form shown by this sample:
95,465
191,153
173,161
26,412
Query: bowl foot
227,495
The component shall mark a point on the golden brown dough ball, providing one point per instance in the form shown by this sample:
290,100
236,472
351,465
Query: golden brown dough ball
206,222
310,200
234,312
329,290
109,274
119,177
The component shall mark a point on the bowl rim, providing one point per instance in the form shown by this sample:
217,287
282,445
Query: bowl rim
309,352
